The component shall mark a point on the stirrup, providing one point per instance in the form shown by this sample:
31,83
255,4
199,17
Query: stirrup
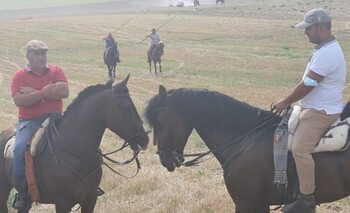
21,202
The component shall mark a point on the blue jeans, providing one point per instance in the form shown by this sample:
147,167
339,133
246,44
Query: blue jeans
25,131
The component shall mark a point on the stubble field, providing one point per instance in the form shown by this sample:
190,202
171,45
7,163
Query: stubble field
247,50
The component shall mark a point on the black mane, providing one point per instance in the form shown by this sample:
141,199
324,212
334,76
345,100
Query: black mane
87,92
195,104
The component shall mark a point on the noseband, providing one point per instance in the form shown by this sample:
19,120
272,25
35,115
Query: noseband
136,137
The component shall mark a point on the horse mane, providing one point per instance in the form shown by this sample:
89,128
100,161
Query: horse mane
87,92
193,104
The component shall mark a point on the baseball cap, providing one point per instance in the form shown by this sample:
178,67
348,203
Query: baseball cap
314,16
36,45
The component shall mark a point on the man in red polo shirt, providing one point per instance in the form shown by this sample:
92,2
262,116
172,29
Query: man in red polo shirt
37,90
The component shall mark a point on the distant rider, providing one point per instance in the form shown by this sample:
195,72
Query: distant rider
154,40
110,41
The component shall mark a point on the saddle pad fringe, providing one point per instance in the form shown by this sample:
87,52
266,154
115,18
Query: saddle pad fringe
280,154
280,150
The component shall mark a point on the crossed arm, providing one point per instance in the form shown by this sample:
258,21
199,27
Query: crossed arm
52,91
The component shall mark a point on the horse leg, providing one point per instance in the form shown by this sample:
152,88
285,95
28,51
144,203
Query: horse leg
150,67
88,205
5,185
155,66
109,71
63,207
160,67
251,207
114,71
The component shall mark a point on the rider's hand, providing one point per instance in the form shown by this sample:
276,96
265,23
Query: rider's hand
27,90
281,105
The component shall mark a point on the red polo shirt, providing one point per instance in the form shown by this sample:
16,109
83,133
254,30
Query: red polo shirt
26,78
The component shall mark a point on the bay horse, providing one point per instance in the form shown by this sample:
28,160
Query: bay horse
69,168
155,56
241,138
111,57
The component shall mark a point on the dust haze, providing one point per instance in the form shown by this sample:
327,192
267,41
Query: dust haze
100,8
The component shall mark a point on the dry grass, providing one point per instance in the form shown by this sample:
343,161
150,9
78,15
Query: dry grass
245,50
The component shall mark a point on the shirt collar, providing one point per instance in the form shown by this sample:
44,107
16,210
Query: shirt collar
327,41
27,68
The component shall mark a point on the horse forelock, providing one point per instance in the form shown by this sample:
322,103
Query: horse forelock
151,110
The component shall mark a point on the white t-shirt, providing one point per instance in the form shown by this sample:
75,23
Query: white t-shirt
328,61
154,39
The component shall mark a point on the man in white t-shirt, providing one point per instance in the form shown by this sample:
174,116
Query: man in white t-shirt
154,40
320,94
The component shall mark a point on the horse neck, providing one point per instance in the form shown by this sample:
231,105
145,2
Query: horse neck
158,49
82,129
161,50
239,134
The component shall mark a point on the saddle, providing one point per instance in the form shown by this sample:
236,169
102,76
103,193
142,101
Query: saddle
336,138
36,145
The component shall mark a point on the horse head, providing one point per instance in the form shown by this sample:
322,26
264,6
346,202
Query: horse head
160,46
120,107
170,131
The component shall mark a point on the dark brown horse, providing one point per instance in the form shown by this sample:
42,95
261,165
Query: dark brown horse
111,58
69,168
155,56
241,137
221,1
196,3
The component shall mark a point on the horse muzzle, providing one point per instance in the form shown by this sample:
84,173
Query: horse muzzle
170,159
138,141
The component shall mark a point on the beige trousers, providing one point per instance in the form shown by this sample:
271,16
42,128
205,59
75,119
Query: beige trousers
313,124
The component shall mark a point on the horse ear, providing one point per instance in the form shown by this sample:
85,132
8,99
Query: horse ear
109,83
121,87
162,95
125,81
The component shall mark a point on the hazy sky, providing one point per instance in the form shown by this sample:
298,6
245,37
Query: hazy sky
107,7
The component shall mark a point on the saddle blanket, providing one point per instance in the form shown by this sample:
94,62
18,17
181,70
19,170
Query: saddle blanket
35,143
336,139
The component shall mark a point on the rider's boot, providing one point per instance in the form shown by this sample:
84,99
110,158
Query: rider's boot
20,185
304,204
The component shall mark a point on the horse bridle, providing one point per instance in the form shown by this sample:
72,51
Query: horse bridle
181,157
127,141
134,157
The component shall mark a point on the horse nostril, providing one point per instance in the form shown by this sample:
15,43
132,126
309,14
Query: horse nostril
181,159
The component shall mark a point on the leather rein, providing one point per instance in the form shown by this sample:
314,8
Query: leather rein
229,143
134,157
54,132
